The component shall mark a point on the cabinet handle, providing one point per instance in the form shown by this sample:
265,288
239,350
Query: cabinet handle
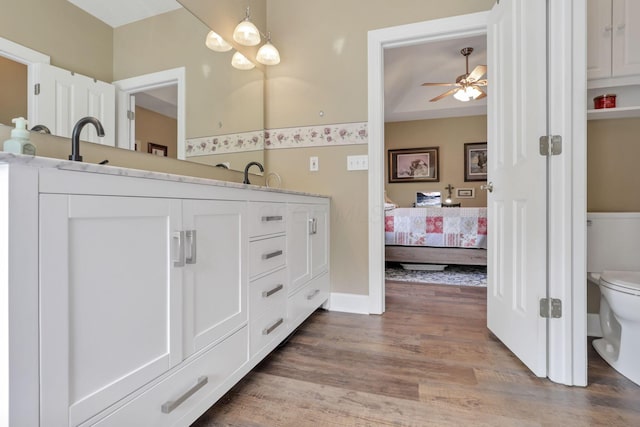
272,218
169,406
267,294
272,254
313,294
178,239
190,236
267,331
313,226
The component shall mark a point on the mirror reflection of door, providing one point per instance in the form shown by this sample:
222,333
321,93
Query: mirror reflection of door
156,119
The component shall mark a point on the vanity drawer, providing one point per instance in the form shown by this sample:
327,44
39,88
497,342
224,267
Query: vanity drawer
267,328
304,302
266,218
199,382
267,293
266,255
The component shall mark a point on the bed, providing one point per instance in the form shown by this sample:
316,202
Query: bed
434,235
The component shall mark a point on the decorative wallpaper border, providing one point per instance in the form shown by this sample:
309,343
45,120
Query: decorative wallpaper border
222,144
317,136
274,139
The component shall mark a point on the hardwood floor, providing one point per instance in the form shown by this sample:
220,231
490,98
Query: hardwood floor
428,361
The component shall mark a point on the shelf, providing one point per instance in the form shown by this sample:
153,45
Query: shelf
613,113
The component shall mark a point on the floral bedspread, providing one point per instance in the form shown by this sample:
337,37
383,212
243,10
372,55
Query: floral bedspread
443,227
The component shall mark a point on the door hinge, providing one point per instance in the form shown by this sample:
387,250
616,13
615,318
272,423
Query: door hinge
550,308
131,115
550,145
36,89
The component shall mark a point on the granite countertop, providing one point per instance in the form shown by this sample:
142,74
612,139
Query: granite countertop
67,165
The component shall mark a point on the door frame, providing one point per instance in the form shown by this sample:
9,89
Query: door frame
127,87
567,342
470,25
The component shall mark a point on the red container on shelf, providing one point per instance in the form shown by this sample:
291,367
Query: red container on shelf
604,101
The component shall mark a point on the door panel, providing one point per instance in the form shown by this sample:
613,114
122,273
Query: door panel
517,206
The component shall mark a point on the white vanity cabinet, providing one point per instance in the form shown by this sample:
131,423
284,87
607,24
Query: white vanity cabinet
613,31
134,298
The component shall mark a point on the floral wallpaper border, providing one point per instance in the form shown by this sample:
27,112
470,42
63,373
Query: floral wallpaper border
222,144
321,135
273,139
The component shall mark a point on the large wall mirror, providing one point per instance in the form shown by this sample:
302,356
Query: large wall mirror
222,107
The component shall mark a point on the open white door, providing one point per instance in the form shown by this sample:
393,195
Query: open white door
517,206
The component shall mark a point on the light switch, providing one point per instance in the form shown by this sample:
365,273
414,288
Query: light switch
313,163
358,163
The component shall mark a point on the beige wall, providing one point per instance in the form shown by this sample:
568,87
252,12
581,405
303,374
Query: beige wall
156,128
13,87
73,39
613,150
237,161
447,134
323,45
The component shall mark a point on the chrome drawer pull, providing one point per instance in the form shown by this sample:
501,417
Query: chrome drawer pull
173,404
190,236
273,254
267,331
272,218
267,294
177,238
313,294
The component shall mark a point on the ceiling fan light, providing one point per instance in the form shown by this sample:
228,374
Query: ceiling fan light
473,92
461,95
268,54
240,62
216,43
246,33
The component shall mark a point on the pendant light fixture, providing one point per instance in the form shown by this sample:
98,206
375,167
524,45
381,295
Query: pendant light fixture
268,54
240,62
216,43
246,33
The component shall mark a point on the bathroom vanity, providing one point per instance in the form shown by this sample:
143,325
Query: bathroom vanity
135,298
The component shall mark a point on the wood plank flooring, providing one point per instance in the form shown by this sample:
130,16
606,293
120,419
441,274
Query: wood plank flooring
428,361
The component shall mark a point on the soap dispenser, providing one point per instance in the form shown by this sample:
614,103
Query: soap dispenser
19,141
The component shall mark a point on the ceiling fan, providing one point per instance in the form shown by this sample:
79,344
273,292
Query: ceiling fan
468,85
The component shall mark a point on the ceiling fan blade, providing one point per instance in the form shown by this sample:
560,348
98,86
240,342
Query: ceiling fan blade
439,84
477,72
482,95
482,82
444,95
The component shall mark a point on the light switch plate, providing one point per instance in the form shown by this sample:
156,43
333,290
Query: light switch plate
313,164
358,163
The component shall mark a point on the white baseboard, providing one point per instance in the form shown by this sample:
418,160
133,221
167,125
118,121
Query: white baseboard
349,303
593,325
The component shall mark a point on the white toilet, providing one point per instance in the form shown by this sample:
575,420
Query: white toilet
613,263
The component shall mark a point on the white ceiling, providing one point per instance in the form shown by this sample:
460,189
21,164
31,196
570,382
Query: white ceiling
120,12
406,68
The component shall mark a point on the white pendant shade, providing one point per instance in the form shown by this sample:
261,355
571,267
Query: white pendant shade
240,62
467,94
246,33
217,43
268,54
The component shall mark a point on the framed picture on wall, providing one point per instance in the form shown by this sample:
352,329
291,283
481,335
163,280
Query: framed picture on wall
414,165
157,149
475,161
465,193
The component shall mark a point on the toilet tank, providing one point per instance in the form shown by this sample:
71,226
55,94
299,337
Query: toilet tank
613,241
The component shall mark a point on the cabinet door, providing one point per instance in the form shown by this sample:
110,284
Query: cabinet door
320,240
626,38
298,245
215,280
598,39
109,301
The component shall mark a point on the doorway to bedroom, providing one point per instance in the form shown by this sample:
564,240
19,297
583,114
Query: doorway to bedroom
435,213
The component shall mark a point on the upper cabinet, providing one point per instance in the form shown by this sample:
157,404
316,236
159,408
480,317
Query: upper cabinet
613,56
613,32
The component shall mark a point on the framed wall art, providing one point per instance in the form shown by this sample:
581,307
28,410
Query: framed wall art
414,165
157,149
475,161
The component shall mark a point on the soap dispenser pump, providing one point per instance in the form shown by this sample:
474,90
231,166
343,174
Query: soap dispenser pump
19,141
